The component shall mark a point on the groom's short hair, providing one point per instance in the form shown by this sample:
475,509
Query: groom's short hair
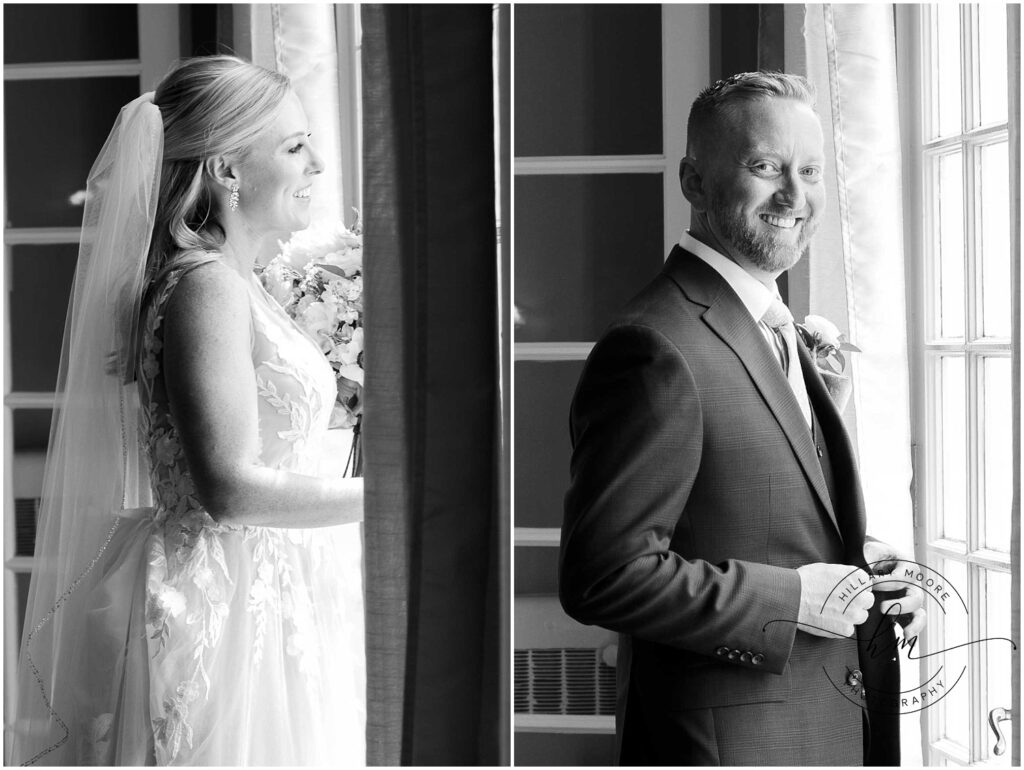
715,102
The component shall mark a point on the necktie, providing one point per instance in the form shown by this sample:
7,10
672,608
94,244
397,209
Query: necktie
780,321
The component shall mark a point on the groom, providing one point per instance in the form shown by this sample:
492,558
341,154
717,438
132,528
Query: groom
714,502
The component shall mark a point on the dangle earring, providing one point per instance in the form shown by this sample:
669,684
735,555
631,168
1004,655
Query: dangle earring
233,200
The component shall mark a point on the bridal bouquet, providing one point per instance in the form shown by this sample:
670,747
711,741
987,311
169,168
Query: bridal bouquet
325,298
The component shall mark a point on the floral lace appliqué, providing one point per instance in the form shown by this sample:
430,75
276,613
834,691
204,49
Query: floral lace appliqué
200,574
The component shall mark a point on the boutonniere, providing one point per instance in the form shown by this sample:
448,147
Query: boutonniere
827,345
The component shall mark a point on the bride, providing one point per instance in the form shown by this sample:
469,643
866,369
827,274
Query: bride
197,598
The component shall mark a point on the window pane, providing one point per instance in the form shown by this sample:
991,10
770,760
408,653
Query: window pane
22,580
992,60
997,470
955,707
946,84
543,393
536,571
952,458
64,33
48,162
41,278
588,80
998,658
584,245
31,429
949,233
994,240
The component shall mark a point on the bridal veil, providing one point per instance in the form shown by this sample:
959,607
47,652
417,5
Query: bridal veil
96,471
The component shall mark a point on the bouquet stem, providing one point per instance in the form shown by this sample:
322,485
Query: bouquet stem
355,454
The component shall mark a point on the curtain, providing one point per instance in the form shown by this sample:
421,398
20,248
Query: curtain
436,591
299,40
856,264
854,272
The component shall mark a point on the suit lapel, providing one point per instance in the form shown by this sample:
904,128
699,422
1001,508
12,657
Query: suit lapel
729,319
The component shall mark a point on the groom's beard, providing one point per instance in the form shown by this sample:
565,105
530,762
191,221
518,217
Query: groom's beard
764,250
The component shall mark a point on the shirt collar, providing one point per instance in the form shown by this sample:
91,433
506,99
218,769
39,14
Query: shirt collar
755,296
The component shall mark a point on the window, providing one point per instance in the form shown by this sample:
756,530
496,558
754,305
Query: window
601,97
954,60
77,65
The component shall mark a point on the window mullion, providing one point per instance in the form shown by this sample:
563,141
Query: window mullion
967,58
975,670
927,127
929,279
970,114
972,370
970,170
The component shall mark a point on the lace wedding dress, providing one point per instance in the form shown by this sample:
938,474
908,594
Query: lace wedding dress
208,644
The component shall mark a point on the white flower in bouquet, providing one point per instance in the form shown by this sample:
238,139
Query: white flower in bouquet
346,354
329,243
319,320
281,282
325,298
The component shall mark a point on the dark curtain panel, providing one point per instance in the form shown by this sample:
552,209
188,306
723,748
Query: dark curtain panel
433,408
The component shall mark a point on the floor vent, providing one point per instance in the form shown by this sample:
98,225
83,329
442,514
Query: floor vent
568,681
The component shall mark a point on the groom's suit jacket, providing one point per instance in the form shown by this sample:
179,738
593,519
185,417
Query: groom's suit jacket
696,491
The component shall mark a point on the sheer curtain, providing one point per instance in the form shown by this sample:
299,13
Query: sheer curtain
299,40
854,272
855,269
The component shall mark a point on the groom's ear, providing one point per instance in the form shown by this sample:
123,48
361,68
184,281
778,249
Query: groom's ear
692,183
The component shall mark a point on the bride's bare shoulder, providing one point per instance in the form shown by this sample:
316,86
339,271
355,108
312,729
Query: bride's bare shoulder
209,296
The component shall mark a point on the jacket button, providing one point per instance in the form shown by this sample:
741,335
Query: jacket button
733,654
746,656
758,659
722,651
854,677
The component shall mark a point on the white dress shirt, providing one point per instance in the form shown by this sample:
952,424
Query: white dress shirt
756,298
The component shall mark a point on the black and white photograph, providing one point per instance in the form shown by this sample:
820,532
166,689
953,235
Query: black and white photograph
767,323
525,384
256,406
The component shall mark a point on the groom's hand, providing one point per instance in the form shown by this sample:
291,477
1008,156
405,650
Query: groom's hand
901,599
834,599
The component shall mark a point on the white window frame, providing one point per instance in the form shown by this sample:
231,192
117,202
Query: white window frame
349,35
914,24
684,33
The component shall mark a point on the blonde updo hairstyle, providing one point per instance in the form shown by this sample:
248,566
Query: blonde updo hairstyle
211,105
